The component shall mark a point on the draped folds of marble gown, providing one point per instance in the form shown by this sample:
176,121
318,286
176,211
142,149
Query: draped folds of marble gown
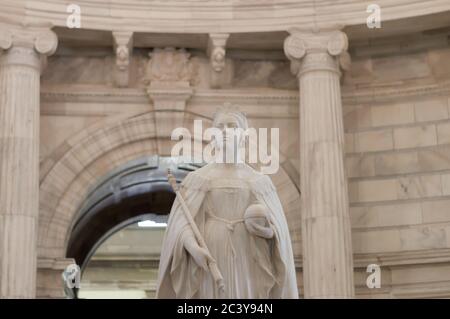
252,266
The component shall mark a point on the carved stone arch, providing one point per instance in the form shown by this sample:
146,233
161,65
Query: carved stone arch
93,153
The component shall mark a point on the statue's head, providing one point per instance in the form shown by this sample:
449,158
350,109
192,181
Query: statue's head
233,125
229,114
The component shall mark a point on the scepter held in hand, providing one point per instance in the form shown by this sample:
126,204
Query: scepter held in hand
212,264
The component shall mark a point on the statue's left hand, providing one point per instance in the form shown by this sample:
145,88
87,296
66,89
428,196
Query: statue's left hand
257,222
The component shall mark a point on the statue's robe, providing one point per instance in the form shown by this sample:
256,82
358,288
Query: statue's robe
180,277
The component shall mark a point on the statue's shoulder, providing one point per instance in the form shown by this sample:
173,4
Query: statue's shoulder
202,172
261,183
198,179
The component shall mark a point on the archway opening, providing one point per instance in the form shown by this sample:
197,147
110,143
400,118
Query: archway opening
117,234
125,261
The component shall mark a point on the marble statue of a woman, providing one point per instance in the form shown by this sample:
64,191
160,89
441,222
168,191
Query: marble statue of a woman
240,217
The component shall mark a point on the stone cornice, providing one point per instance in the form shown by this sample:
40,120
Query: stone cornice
404,258
392,259
199,16
264,96
428,256
58,264
392,93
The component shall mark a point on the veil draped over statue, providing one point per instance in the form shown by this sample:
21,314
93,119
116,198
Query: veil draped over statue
180,277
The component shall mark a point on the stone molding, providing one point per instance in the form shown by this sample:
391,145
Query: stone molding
266,96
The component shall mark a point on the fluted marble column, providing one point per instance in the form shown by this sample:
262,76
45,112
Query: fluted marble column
316,59
22,52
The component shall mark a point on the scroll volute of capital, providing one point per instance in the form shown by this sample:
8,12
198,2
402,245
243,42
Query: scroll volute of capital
297,45
294,47
6,39
337,46
46,42
337,43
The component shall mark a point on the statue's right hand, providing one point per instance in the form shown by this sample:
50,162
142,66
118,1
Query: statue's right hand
200,255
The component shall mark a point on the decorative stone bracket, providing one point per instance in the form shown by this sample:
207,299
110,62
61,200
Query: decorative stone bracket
216,50
217,56
123,47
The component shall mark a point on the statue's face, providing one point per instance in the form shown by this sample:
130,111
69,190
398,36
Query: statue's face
232,133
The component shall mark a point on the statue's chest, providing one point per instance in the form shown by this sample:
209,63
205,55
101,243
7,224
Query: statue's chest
229,197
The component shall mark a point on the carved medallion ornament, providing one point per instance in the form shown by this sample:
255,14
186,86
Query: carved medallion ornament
169,65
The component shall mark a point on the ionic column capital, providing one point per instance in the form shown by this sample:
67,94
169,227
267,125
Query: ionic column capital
25,45
322,50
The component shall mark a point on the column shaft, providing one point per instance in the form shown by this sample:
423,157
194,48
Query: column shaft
19,171
20,65
326,233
